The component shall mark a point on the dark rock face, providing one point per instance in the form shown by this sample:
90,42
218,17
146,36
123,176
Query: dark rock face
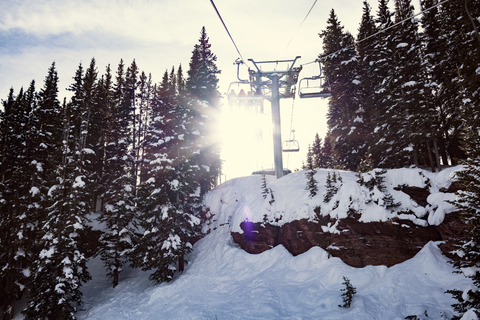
358,244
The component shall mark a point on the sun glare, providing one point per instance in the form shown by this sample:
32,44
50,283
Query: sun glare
246,136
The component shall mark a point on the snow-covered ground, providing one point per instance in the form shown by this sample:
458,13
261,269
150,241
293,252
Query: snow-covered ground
222,281
241,199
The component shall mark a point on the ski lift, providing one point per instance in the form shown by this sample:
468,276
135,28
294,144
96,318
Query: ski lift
314,87
245,93
291,145
241,94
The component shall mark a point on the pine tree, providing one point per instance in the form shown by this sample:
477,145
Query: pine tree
17,196
408,114
341,71
366,164
118,212
96,109
382,57
454,54
445,128
312,184
332,185
468,202
265,190
327,151
129,102
319,154
202,88
169,198
367,80
348,292
60,267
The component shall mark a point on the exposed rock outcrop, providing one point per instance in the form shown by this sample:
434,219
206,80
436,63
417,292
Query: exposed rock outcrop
358,244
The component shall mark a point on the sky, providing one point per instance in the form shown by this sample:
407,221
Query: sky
161,34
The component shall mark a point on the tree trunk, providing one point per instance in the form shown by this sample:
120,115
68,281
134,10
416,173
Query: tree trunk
437,157
115,278
181,263
429,150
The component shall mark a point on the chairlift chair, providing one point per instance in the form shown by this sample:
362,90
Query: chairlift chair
240,94
291,145
314,87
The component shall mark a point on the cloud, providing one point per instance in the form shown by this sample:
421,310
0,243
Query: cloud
142,20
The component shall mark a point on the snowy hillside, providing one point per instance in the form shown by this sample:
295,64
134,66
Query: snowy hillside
241,199
222,281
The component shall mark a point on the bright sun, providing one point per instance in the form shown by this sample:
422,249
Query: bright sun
246,138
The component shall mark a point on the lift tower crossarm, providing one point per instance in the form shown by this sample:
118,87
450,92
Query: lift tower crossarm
265,74
275,84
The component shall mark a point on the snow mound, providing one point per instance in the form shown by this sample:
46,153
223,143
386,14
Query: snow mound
241,199
225,282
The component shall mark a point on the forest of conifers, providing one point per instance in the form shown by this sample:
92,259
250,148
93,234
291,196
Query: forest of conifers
139,154
405,88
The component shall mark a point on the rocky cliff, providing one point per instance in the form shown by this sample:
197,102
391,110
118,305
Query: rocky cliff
358,244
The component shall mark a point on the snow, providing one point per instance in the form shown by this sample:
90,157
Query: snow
222,281
225,282
47,253
240,199
88,151
409,84
37,165
437,200
469,315
34,191
79,183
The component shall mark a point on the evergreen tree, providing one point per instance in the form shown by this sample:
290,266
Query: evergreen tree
169,198
17,196
408,114
446,128
118,211
319,153
203,99
327,151
145,97
456,68
129,101
310,174
367,80
332,185
382,58
366,164
95,109
265,190
348,292
341,71
468,202
60,267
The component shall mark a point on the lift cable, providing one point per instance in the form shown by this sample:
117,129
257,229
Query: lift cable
231,38
291,127
376,33
291,39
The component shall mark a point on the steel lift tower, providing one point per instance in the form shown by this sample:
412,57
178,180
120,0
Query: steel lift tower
275,85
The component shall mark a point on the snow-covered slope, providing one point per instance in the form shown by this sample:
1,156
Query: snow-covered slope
224,282
241,199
